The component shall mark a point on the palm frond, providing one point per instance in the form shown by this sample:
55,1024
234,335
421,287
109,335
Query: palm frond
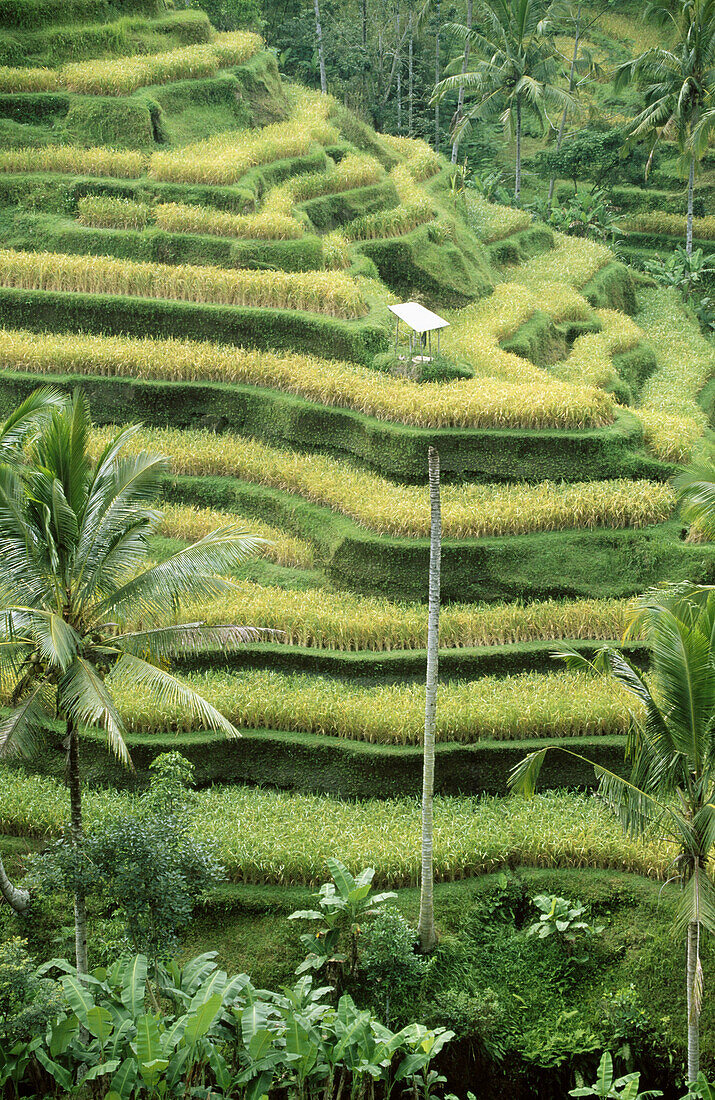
85,698
25,419
20,730
190,639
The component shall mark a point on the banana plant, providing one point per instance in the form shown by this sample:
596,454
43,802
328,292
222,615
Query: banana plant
344,905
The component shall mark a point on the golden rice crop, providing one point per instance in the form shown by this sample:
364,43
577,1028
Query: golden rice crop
474,403
469,511
492,221
28,80
354,170
107,213
590,361
317,291
191,524
336,251
672,418
573,260
122,76
177,217
321,619
390,223
224,157
100,161
529,706
419,156
282,837
665,222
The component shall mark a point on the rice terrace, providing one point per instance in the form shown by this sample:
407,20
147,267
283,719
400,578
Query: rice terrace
357,549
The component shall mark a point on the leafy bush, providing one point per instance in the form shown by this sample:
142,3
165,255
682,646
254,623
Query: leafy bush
562,919
479,1016
390,969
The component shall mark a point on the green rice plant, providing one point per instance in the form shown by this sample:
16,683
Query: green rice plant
225,157
336,251
590,362
322,619
469,511
473,403
354,170
663,222
191,524
281,837
177,217
673,421
107,213
73,159
122,76
492,221
415,208
317,291
529,706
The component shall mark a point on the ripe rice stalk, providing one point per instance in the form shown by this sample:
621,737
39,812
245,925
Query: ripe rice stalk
285,838
315,291
573,260
590,362
107,213
189,524
28,80
336,251
494,222
177,217
472,403
673,421
74,159
469,511
321,619
354,170
419,157
665,223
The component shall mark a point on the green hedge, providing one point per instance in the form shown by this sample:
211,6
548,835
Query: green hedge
330,211
640,199
264,328
33,13
401,666
665,242
395,450
598,563
522,246
45,232
33,107
111,120
334,766
612,288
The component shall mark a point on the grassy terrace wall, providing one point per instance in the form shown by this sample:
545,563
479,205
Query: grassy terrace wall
268,328
396,450
602,562
344,769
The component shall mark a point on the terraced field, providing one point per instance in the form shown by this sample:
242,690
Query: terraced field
212,253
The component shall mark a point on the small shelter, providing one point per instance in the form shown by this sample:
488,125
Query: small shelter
422,323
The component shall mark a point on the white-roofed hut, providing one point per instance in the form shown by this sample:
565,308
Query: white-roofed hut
421,323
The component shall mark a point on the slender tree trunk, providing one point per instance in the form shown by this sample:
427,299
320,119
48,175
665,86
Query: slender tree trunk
321,55
460,97
436,78
410,79
18,900
694,997
517,181
76,833
689,221
426,929
363,10
572,80
399,70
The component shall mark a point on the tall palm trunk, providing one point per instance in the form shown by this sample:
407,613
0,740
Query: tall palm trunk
18,900
436,79
694,979
517,179
399,70
426,929
410,79
76,833
460,97
321,55
564,116
689,221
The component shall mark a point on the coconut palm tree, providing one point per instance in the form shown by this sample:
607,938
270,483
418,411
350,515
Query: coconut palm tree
678,83
518,68
426,929
671,787
73,538
696,492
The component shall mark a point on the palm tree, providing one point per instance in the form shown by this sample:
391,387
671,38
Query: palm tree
73,537
696,491
465,67
671,787
518,68
678,84
426,929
